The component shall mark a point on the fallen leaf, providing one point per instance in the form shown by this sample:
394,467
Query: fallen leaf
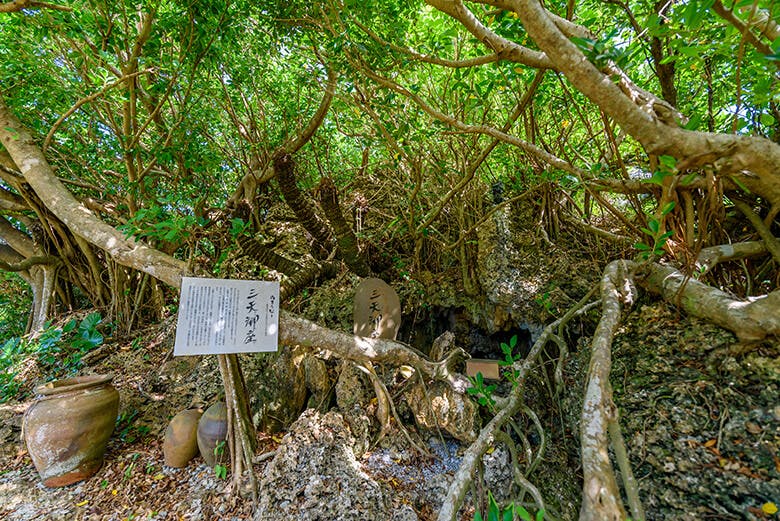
159,476
753,428
769,508
710,443
82,503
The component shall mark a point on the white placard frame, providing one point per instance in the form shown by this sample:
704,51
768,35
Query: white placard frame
221,316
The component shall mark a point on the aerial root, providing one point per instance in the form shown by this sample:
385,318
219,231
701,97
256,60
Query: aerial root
492,432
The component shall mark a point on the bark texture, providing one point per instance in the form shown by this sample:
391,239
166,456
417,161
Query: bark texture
750,320
600,494
345,237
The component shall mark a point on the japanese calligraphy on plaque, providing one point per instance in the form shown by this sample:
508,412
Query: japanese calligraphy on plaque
219,316
377,311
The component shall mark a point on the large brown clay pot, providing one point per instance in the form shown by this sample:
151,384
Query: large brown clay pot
67,428
181,444
212,428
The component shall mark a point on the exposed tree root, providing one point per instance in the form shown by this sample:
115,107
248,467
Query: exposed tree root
241,434
296,330
507,408
750,320
600,494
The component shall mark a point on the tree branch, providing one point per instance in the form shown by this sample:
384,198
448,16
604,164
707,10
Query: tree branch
17,5
38,173
28,263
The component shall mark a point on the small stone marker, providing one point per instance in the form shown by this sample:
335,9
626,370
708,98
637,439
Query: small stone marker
220,316
377,311
488,368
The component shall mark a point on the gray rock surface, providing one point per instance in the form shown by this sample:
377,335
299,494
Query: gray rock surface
353,395
440,404
315,476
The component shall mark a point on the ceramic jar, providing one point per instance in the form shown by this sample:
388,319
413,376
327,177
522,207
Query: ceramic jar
181,444
67,428
212,428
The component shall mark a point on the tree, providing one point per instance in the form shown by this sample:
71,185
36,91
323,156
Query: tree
169,122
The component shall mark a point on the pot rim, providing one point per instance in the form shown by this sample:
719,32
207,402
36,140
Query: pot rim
76,383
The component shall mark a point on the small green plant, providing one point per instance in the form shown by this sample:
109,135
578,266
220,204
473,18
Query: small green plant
58,351
482,392
545,301
129,468
654,231
511,512
238,227
126,429
219,468
509,360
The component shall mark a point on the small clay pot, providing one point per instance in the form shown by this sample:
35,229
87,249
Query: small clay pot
212,429
180,444
67,428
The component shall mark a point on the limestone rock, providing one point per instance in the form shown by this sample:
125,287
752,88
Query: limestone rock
453,411
279,393
353,395
318,382
315,476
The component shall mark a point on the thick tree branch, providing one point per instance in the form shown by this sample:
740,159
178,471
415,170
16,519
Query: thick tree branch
710,257
28,263
750,320
11,202
17,240
294,330
752,159
37,172
506,49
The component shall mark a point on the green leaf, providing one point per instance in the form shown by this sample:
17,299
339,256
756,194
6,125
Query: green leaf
642,246
90,321
540,515
508,515
70,326
654,226
766,119
668,208
657,178
522,513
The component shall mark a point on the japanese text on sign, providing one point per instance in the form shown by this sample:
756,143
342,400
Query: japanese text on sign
218,316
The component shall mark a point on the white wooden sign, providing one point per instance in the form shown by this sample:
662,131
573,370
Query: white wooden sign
219,316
